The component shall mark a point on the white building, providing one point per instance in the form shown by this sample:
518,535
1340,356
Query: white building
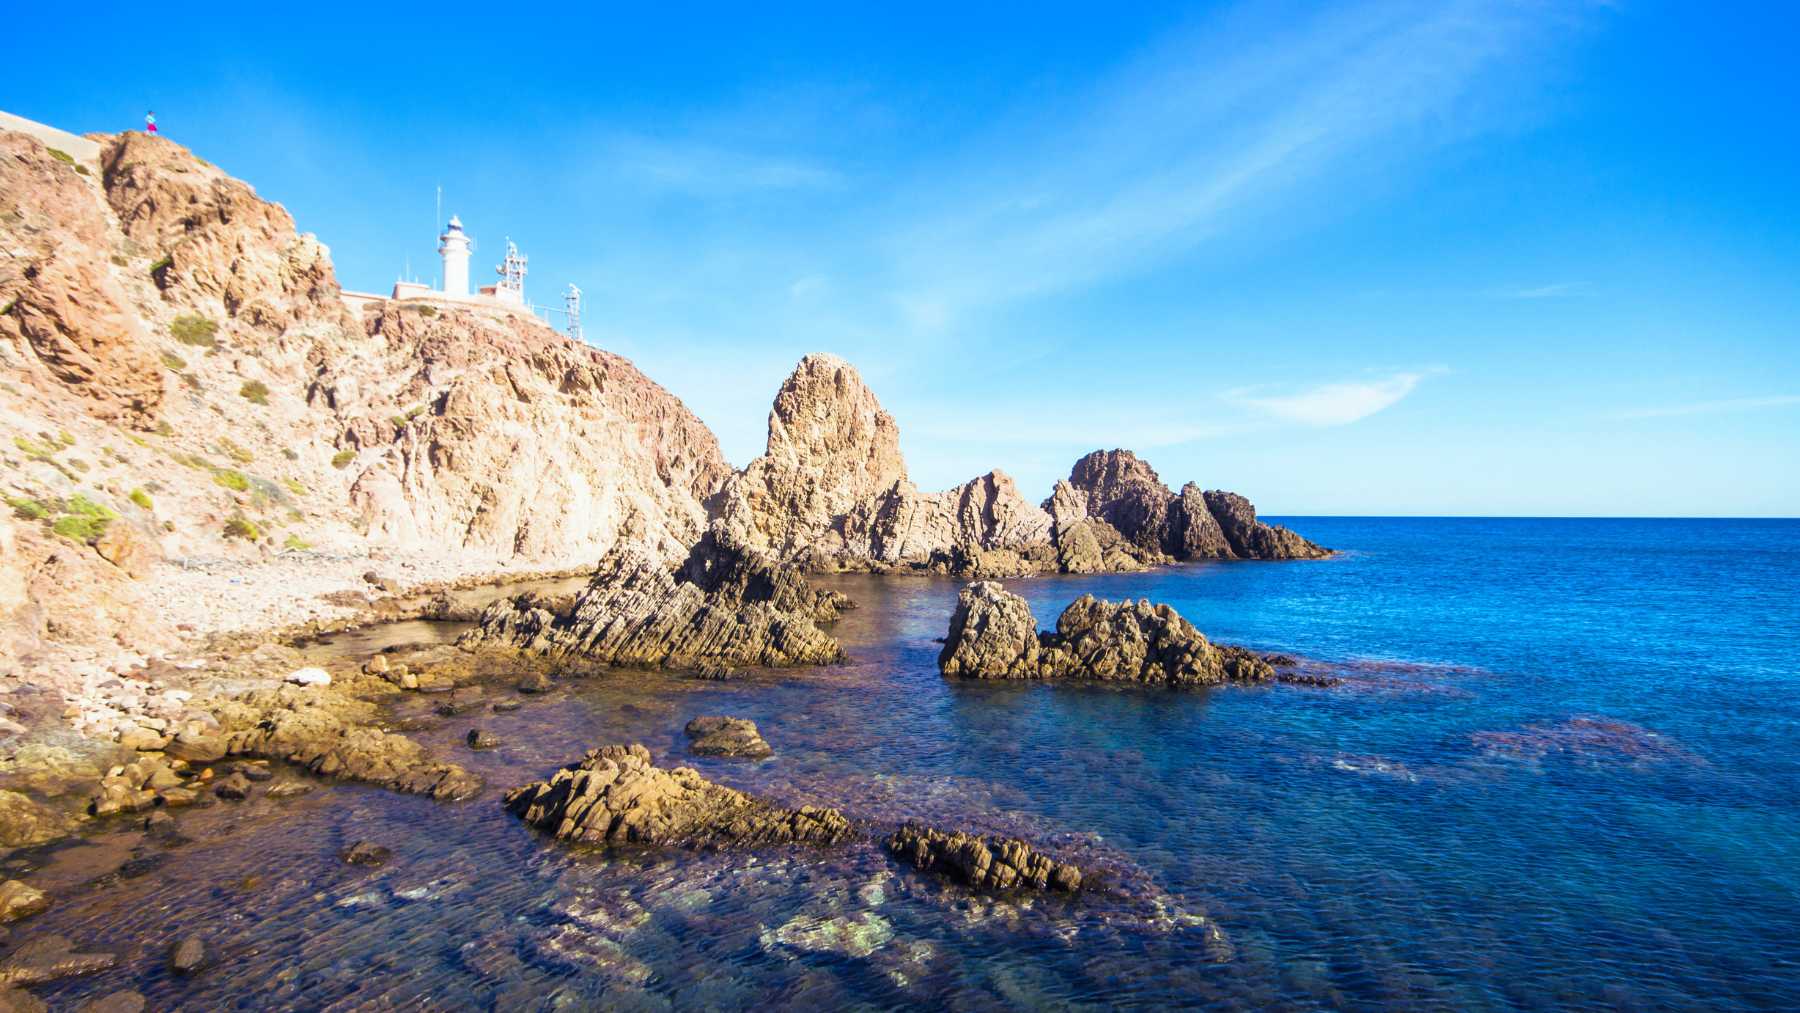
455,246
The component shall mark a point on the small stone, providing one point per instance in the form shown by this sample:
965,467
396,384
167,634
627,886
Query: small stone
256,771
176,797
288,789
17,1000
378,665
365,853
195,748
506,706
188,955
536,682
141,739
17,900
235,787
478,739
309,676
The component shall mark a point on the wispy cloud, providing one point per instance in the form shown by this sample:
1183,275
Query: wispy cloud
1206,129
1331,404
1735,404
1551,291
699,168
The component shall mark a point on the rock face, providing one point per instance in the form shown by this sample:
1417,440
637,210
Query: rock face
990,864
994,636
616,796
724,736
18,900
725,606
24,823
67,321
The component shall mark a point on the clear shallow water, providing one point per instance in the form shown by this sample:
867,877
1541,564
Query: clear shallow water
1564,772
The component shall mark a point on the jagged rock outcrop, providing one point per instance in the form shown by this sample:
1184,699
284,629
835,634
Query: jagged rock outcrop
617,796
989,864
993,635
831,490
1116,487
831,493
725,606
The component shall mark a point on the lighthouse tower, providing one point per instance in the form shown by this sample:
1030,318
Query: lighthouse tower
455,246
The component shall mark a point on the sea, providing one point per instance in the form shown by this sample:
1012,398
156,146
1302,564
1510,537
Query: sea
1561,771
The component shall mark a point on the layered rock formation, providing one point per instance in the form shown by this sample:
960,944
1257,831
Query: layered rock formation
615,796
725,606
993,635
989,864
716,735
831,492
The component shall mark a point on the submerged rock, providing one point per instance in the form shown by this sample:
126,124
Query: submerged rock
49,958
725,606
615,795
992,864
187,955
480,739
724,736
24,823
125,1001
366,853
993,635
19,900
844,936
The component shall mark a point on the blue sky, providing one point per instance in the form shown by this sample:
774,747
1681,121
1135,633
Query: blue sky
1446,257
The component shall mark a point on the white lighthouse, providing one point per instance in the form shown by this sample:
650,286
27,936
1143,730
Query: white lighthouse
455,246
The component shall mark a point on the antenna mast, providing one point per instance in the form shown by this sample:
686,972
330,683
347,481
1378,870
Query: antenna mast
572,307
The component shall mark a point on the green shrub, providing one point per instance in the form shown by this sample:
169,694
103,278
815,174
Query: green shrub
293,485
142,498
164,429
61,155
83,170
119,261
290,453
294,544
242,527
192,381
29,509
173,361
66,438
235,452
427,311
163,263
33,449
78,464
193,329
231,479
254,391
342,457
83,520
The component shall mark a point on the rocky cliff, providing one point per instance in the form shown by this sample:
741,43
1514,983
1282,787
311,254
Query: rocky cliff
831,493
184,381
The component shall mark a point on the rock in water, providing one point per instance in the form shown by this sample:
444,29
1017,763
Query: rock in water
126,1001
724,736
616,796
994,636
49,958
18,900
726,606
365,853
24,823
188,955
479,739
992,864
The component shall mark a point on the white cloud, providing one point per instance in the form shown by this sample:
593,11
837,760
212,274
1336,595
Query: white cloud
1332,404
1736,404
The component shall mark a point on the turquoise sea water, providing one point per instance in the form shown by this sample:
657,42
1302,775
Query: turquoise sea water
1563,772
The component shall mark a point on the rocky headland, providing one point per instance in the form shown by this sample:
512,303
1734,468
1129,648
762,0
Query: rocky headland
993,635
